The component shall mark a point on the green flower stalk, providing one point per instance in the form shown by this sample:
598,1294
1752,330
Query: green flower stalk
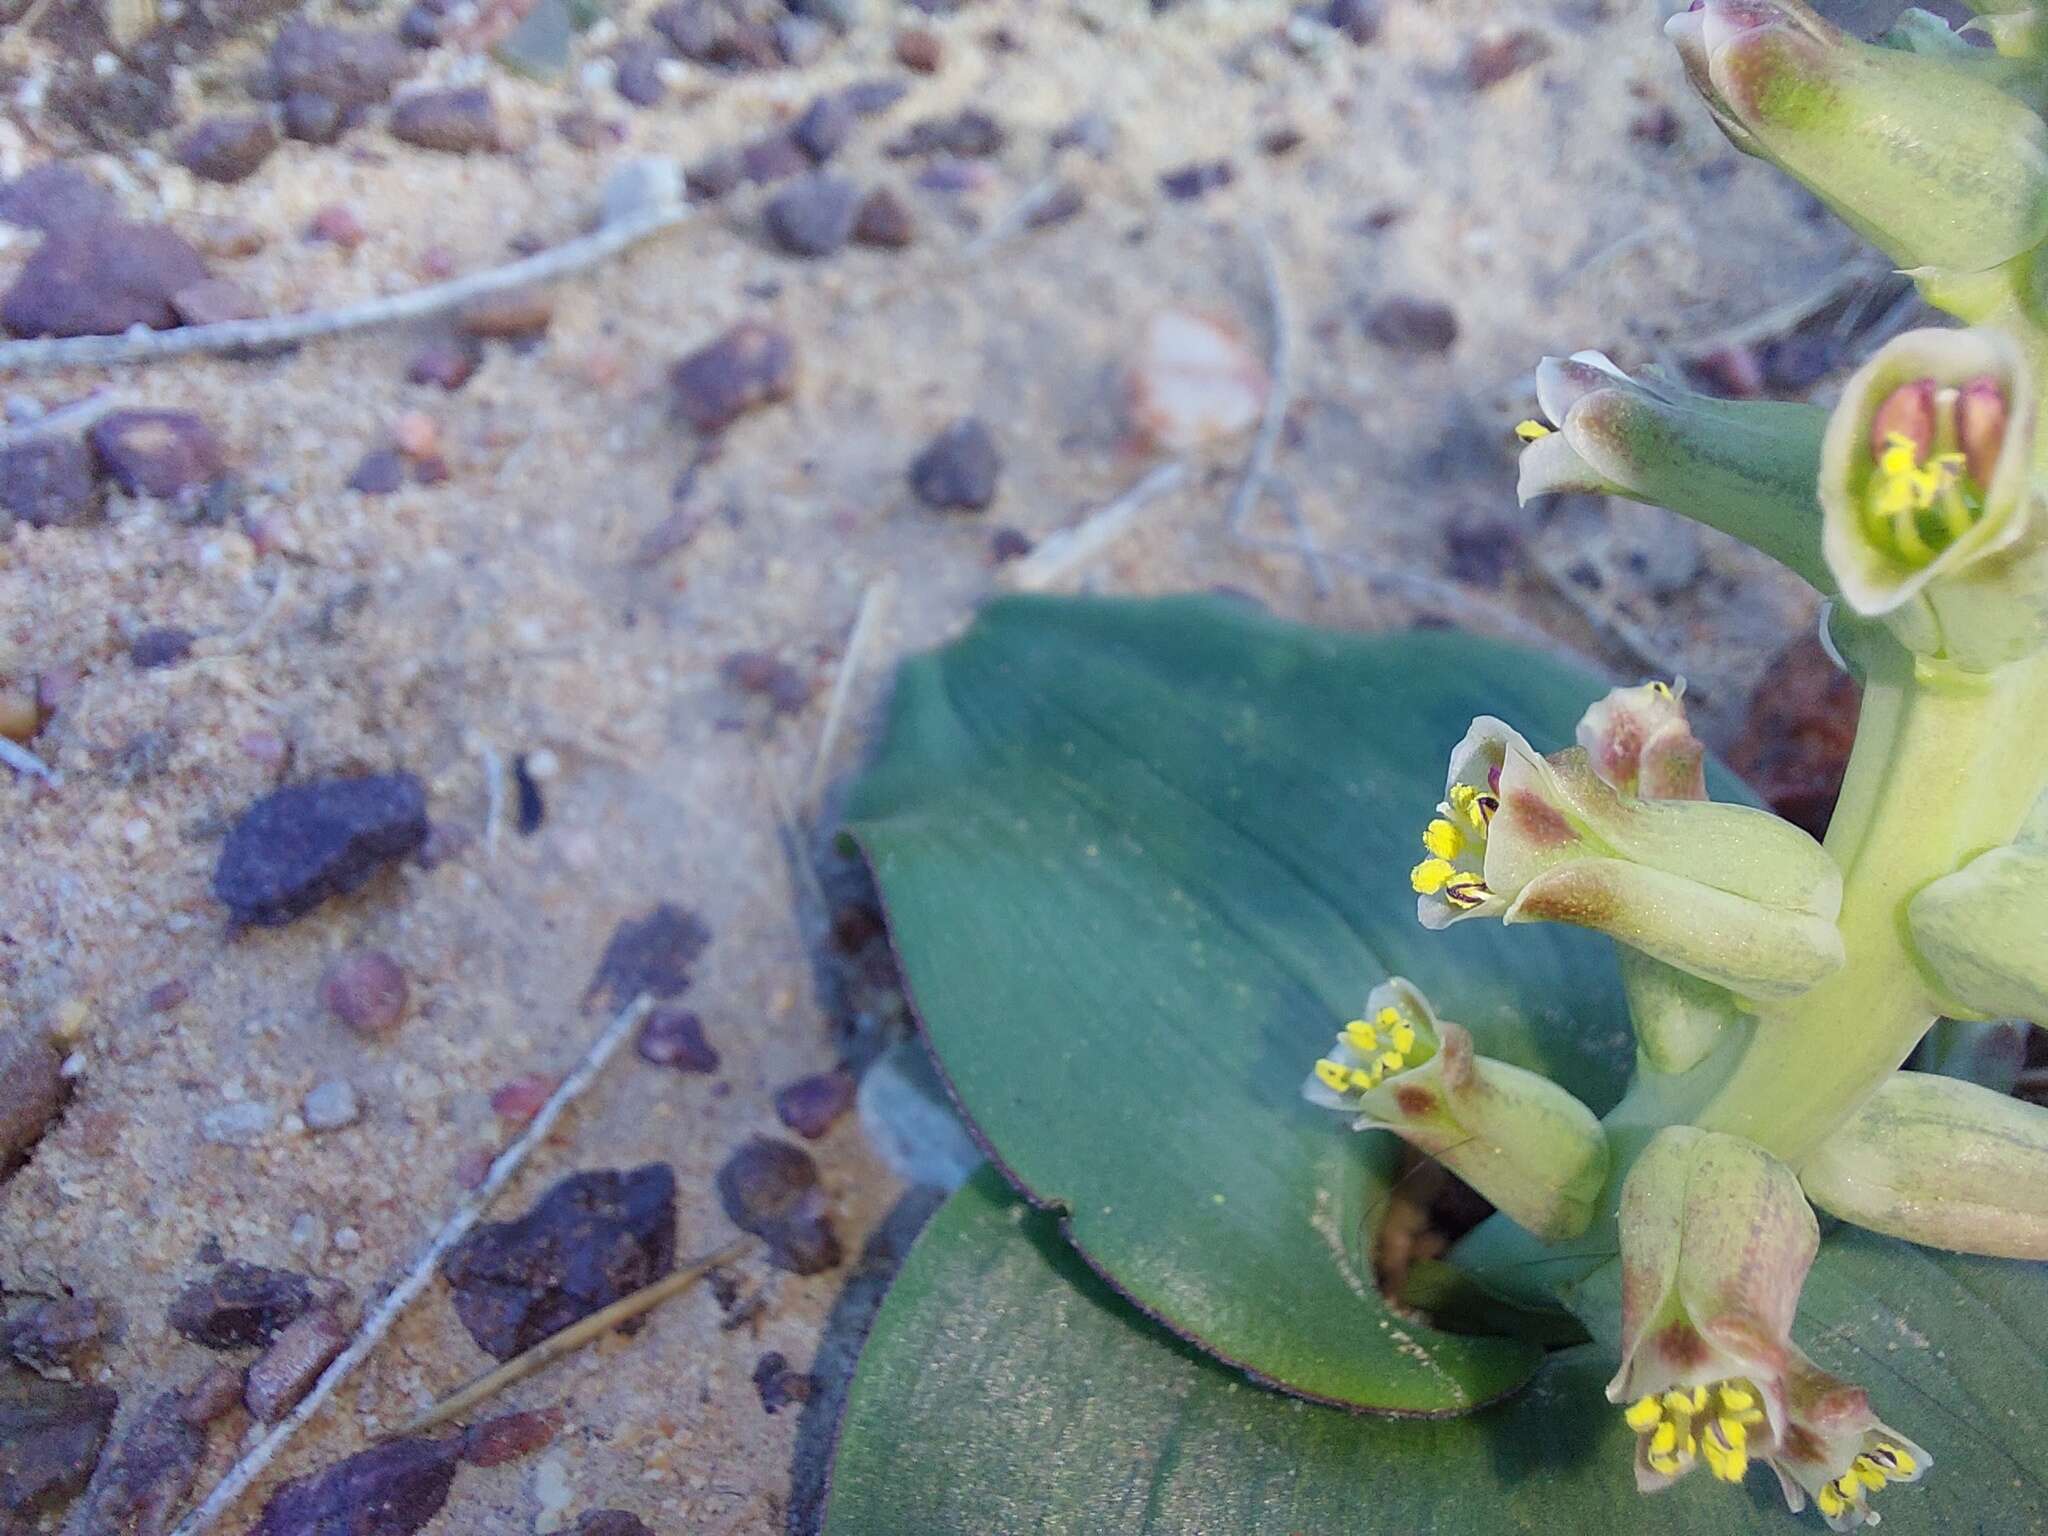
1520,1140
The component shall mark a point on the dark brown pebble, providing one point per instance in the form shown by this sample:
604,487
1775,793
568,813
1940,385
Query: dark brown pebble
751,365
447,360
213,1395
389,1490
1007,544
823,129
239,1305
636,73
1281,139
1411,325
142,1483
380,472
814,216
299,845
228,238
770,1189
773,157
590,1240
510,1437
164,647
611,1522
1794,746
56,196
1658,126
366,991
51,482
812,1105
972,134
884,221
312,118
651,954
424,24
516,314
287,1370
1059,205
166,995
871,98
920,51
227,149
517,1100
350,68
456,122
63,1333
588,131
778,1385
674,1037
1499,58
958,469
99,280
51,1434
768,677
713,177
1359,20
1192,181
214,300
156,453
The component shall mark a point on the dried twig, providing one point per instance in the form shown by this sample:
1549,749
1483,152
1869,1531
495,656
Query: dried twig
1060,553
494,793
75,417
873,603
387,1312
1259,479
627,228
574,1337
21,760
1015,217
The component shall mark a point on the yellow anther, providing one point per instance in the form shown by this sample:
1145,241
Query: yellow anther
1529,431
1387,1018
1332,1075
1465,890
1665,1440
1467,801
1661,690
1443,839
1830,1500
1404,1038
1392,1061
1361,1078
1737,1399
1895,1459
1867,1471
1644,1414
1432,876
1361,1036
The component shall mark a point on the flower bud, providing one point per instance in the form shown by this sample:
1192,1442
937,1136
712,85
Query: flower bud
1835,1451
1716,1240
1518,1139
1744,467
1928,508
1639,742
1931,162
1726,893
1983,933
1939,1161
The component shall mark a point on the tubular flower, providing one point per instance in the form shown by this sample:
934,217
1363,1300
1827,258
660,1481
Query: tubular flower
1723,892
1927,501
1835,1451
1716,1240
1519,1139
1744,467
1931,162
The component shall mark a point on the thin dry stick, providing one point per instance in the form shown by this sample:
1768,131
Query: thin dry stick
1071,548
1258,476
1015,217
605,241
21,760
573,1338
75,417
873,603
387,1312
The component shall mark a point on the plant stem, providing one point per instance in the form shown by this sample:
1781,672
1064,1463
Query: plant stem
1945,767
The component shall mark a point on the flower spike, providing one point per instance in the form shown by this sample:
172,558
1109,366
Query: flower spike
1519,1139
1723,892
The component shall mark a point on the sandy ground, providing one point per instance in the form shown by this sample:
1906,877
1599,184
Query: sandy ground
504,611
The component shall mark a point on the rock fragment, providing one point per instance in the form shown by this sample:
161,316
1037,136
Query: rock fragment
157,453
51,1435
32,1094
770,1188
101,279
389,1490
299,845
51,482
957,470
227,149
750,366
240,1305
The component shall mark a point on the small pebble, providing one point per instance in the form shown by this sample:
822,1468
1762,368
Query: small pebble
1358,20
312,118
392,1489
227,149
365,990
637,76
810,1106
1500,58
100,280
456,122
517,314
814,216
751,365
970,134
773,157
51,482
156,453
516,1102
237,1125
1192,181
871,98
958,469
286,1371
510,1437
778,1385
380,472
769,677
674,1037
1193,381
331,1106
159,648
240,1304
920,51
214,301
337,224
884,221
447,360
417,435
1058,206
32,1094
823,129
771,1189
1410,325
212,1396
56,195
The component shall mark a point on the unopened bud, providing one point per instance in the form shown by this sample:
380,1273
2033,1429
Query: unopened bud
1980,426
1908,413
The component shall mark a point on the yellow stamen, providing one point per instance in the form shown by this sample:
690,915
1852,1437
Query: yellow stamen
1391,1061
1388,1017
1431,876
1895,1459
1465,890
1830,1500
1361,1036
1443,839
1332,1075
1531,430
1404,1038
1644,1414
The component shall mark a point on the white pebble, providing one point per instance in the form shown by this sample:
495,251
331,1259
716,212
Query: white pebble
237,1125
331,1105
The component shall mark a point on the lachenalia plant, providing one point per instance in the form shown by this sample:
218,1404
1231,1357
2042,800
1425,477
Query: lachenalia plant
1778,985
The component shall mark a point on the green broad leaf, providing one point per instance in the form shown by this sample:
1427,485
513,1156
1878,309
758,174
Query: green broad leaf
1005,1390
1141,860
